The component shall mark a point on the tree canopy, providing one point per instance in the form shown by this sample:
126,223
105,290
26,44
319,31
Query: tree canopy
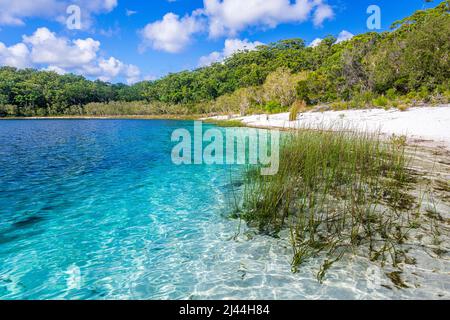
412,57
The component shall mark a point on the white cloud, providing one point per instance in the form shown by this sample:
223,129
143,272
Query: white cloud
45,50
150,77
108,69
344,35
172,33
12,12
228,17
234,45
15,12
211,58
231,47
56,69
315,42
15,56
322,13
132,74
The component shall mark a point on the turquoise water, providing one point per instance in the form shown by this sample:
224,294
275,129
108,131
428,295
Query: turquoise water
95,209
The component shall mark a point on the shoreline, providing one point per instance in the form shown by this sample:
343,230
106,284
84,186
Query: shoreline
123,117
343,275
427,126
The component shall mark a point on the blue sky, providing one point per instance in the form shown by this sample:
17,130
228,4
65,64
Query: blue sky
133,40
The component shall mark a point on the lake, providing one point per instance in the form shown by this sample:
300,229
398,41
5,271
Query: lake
95,209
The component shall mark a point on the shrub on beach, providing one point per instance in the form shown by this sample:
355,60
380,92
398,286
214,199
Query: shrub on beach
273,107
380,101
297,107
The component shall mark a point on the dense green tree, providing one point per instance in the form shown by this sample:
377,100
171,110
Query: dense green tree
412,59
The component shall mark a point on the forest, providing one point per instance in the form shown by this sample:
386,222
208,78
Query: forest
406,66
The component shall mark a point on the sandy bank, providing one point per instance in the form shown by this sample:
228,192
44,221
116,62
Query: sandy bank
425,125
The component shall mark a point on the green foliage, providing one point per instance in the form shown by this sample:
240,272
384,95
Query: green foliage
380,101
280,86
410,61
391,94
339,105
337,193
297,107
273,107
303,91
415,54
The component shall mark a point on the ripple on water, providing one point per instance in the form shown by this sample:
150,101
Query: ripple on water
95,210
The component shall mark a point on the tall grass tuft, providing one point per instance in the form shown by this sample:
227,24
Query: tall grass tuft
336,192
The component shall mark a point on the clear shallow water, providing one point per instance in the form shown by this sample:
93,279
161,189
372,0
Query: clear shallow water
96,210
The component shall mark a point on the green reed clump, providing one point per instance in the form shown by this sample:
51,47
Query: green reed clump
337,192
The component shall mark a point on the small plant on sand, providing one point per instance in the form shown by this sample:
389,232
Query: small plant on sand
297,107
273,107
398,141
339,105
380,101
403,107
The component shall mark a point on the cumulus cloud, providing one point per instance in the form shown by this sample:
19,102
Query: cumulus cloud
234,45
45,50
56,69
315,42
15,56
14,12
344,35
108,69
229,17
132,73
322,13
211,58
231,47
172,33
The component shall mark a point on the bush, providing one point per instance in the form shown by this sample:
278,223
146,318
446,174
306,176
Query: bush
395,104
424,94
297,107
303,91
280,86
391,94
7,110
403,107
380,101
340,105
273,107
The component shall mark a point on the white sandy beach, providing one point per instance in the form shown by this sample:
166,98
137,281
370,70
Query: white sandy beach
422,125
